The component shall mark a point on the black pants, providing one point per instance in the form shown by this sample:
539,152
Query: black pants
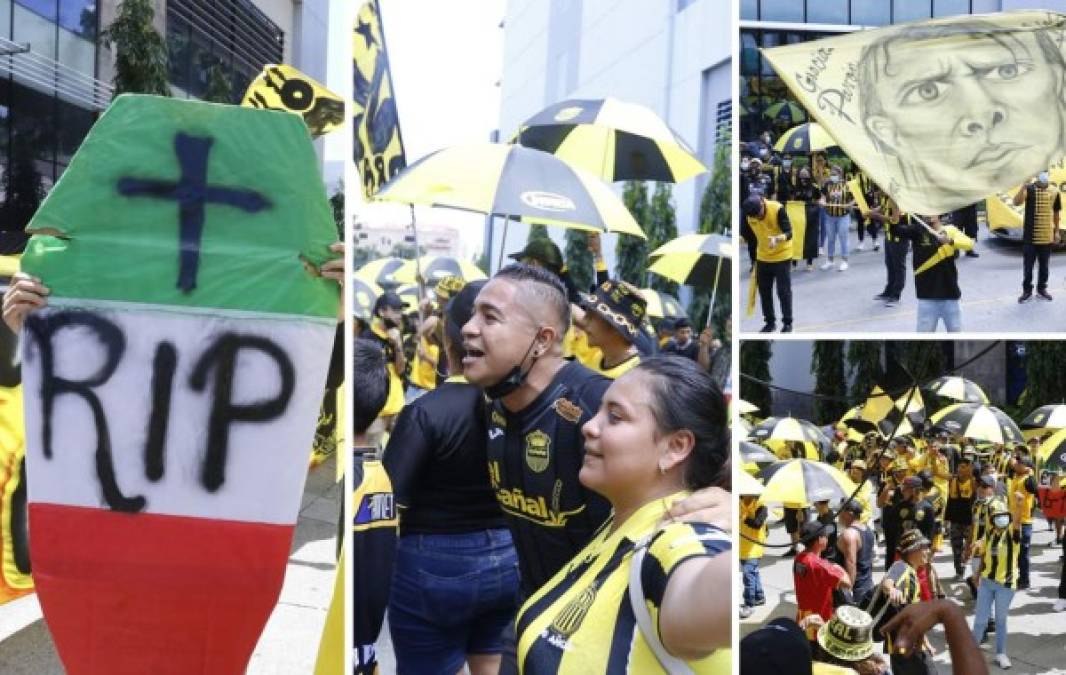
1062,578
896,267
1040,254
769,273
868,227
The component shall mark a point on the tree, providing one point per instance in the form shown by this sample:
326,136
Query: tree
827,366
715,217
140,52
632,252
22,186
482,263
1043,373
920,360
662,227
537,232
579,261
219,88
864,367
404,250
755,362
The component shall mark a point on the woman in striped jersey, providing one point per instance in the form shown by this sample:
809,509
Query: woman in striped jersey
999,577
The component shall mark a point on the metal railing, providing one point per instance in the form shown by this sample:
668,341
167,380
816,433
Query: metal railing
52,77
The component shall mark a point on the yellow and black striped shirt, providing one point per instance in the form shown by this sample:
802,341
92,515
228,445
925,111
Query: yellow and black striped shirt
1040,204
581,621
837,197
999,558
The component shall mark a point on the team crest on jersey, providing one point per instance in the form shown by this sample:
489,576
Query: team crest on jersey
537,445
569,620
568,410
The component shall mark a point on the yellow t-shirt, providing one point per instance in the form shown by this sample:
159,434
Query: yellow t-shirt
619,370
579,622
423,372
394,403
1024,514
748,549
767,227
576,344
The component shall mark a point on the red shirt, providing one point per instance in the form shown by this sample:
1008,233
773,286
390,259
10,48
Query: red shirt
815,578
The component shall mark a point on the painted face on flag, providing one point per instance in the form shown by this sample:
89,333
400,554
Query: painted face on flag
966,116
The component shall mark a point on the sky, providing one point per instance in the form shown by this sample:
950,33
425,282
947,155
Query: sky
446,60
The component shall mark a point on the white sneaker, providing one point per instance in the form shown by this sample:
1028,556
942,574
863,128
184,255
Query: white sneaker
821,250
1002,661
1059,606
828,264
862,246
843,265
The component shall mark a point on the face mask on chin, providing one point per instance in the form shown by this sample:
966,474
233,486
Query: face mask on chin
514,378
1001,521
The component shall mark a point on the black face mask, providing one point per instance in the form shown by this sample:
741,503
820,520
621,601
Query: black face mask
389,323
513,379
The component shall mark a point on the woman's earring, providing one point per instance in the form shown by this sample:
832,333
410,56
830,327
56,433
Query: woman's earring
662,469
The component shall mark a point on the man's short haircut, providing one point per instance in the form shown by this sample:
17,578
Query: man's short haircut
753,206
371,389
682,323
546,287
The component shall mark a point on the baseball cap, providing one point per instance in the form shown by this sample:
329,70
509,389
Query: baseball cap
811,530
543,251
852,506
779,647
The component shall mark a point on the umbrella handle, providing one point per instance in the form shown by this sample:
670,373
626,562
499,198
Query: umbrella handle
503,242
418,268
714,291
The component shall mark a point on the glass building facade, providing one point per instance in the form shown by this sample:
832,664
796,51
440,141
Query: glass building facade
48,96
765,103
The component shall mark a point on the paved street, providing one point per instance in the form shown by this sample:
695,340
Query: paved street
1036,643
842,302
289,643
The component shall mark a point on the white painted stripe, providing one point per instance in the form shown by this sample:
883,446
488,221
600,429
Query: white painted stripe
267,461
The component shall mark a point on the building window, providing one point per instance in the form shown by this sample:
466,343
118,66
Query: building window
827,11
911,10
723,123
781,10
871,12
233,34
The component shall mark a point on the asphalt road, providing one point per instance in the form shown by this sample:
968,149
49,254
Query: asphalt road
1035,643
842,302
289,643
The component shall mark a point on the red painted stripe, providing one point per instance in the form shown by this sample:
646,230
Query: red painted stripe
148,593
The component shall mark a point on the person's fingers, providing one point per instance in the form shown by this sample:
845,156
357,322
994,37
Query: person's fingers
337,247
701,499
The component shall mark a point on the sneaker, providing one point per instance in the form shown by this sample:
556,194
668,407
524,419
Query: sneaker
1023,586
746,611
843,265
758,603
862,246
828,264
1002,661
1025,297
1043,294
786,328
877,246
1060,605
768,327
891,302
973,254
809,268
881,296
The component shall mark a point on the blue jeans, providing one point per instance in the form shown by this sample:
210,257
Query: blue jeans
752,583
1023,555
452,595
837,227
990,592
930,312
821,226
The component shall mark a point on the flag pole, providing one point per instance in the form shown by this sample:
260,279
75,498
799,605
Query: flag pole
714,291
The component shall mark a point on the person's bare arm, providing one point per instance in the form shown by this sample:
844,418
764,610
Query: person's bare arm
24,295
848,543
693,620
1019,196
911,624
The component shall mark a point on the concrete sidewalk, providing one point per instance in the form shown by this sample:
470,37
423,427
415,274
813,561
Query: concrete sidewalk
1037,635
289,644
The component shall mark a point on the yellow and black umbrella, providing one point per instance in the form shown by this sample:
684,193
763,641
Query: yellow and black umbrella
662,305
694,259
747,486
1052,453
753,453
957,389
915,409
979,422
786,111
774,432
743,427
435,268
805,139
364,294
1044,418
802,481
746,408
612,139
881,414
381,272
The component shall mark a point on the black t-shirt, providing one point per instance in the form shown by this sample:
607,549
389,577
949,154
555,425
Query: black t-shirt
535,456
691,350
908,516
437,461
940,279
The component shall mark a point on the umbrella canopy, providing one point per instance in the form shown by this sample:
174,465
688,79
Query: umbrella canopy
881,414
435,268
805,138
662,305
514,182
743,427
802,481
754,453
1052,452
957,389
612,139
915,410
381,272
745,408
783,449
979,422
409,294
694,260
774,431
364,294
747,486
1046,417
787,111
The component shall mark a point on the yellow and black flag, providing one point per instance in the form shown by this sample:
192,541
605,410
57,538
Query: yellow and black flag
378,145
282,87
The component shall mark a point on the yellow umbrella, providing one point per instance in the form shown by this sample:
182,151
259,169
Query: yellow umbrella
381,272
802,481
958,389
435,268
1043,419
979,422
881,414
805,139
662,305
695,260
745,408
745,485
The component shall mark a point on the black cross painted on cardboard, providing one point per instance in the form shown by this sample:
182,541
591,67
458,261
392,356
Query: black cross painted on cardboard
192,193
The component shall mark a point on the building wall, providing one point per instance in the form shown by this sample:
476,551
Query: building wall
642,52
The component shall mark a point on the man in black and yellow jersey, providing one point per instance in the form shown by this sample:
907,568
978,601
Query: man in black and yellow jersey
614,322
936,279
385,330
986,494
999,551
773,233
1022,491
884,210
901,587
961,495
1040,231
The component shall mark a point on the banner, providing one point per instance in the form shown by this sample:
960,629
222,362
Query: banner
940,113
797,217
378,146
857,194
282,87
173,383
15,580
